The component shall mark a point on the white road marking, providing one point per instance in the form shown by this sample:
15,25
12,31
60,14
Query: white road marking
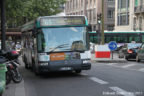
129,65
120,91
111,63
98,80
84,74
142,69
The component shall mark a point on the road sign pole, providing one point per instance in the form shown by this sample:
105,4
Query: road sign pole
112,54
112,46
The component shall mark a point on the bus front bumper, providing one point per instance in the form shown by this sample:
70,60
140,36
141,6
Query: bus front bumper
64,65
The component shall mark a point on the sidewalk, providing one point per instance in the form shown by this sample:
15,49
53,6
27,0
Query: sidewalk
15,89
115,59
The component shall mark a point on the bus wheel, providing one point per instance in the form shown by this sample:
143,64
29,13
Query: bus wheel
33,64
78,71
26,66
36,71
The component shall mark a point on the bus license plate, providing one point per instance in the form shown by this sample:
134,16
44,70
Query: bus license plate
65,68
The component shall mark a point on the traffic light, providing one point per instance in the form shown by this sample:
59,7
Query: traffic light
99,16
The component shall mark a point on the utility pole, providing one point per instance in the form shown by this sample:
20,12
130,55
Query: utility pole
102,38
3,20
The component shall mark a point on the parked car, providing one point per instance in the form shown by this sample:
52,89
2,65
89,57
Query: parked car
129,51
140,53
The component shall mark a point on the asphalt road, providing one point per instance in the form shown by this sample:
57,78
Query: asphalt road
104,79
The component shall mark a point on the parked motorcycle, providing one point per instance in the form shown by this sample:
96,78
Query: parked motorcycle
12,67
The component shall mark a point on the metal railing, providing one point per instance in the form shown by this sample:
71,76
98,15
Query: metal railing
139,9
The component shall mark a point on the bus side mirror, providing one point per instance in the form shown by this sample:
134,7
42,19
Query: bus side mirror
89,28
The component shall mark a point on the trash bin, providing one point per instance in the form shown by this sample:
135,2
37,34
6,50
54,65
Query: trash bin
3,70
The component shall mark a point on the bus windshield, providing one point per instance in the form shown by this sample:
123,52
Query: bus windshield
62,39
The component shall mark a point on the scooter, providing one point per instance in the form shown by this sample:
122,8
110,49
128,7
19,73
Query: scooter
12,67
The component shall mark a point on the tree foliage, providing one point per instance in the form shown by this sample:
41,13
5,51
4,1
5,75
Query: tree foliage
20,11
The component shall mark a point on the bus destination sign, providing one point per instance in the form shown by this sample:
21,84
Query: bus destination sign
58,21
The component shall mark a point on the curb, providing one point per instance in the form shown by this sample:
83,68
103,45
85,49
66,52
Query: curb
108,61
20,90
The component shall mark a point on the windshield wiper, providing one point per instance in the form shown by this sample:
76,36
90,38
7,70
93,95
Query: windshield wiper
59,46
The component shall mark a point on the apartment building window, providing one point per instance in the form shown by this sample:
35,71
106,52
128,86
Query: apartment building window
110,0
134,24
141,2
87,14
90,15
94,13
110,14
136,2
82,3
110,27
73,4
90,2
140,23
94,1
81,12
76,3
94,28
70,5
123,19
123,4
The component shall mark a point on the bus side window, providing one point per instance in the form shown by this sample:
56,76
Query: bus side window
142,38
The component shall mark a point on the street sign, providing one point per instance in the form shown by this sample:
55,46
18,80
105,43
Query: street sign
112,45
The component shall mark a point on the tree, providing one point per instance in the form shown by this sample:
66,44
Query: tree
20,11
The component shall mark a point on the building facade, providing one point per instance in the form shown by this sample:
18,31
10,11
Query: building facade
91,9
139,15
129,15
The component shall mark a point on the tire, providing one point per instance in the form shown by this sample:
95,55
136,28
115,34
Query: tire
26,65
126,57
32,67
8,77
36,71
16,76
78,71
137,59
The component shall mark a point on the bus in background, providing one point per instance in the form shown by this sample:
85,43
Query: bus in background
119,37
56,43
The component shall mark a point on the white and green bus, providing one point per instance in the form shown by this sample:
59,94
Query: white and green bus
56,43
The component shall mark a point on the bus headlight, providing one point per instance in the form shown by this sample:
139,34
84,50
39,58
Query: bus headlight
43,64
43,57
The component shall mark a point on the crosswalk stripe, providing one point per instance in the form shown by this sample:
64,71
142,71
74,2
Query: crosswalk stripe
84,74
142,69
98,80
129,65
120,91
111,63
